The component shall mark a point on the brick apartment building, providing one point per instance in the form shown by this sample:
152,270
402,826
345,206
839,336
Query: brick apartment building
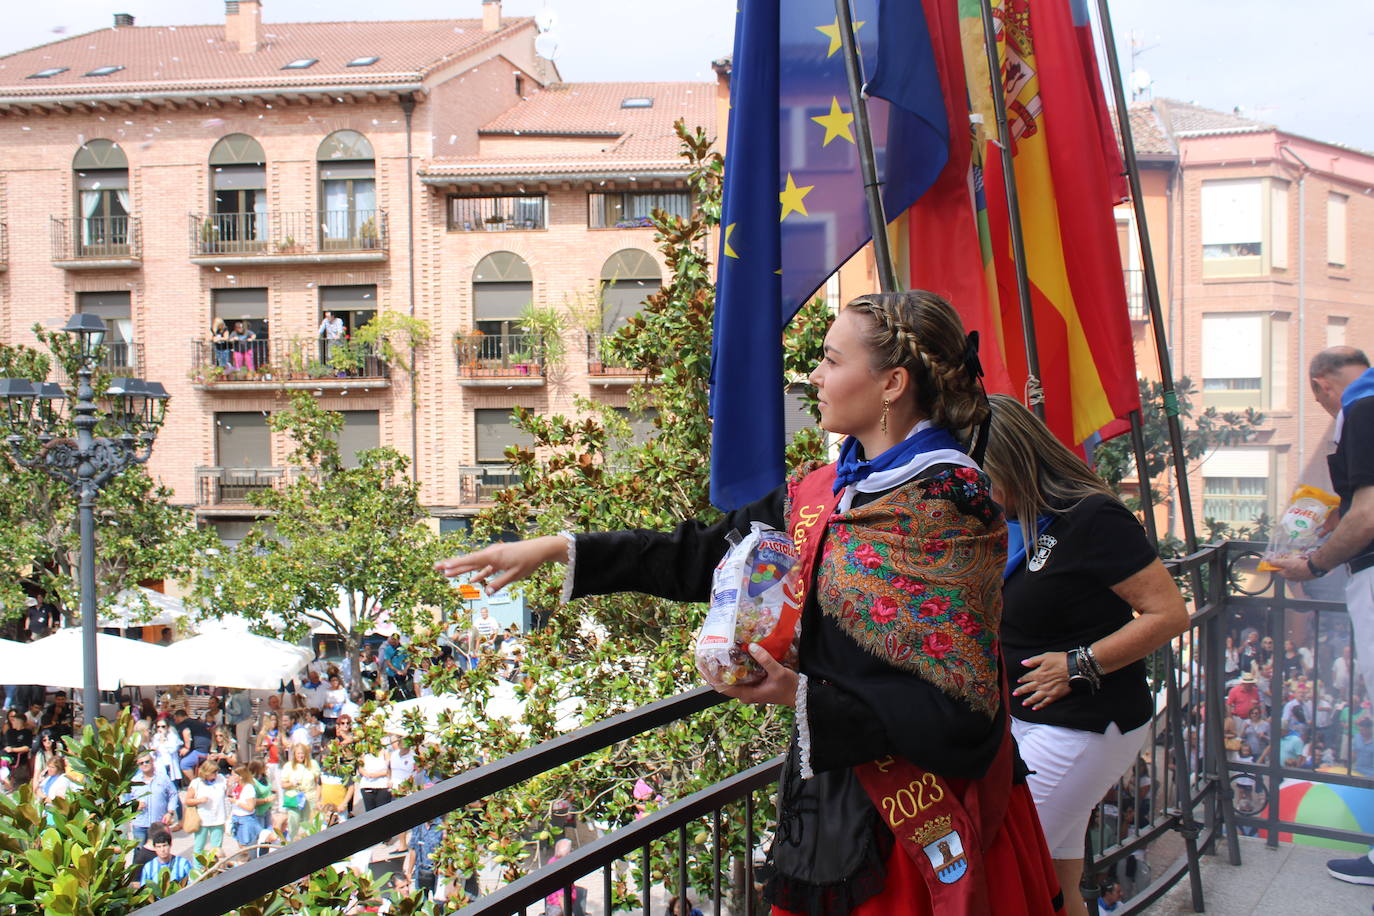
263,173
1256,234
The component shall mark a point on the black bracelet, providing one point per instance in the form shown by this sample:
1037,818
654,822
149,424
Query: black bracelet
1316,571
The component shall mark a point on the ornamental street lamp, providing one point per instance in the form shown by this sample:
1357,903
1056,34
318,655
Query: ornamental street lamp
41,437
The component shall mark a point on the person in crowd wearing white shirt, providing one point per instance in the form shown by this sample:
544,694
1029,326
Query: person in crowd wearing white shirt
54,784
208,794
334,700
374,779
486,629
313,690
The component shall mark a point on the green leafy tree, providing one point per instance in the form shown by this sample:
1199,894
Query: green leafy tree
140,534
609,654
337,547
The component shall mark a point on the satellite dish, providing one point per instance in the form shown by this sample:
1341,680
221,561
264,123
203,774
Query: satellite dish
1140,81
545,20
546,46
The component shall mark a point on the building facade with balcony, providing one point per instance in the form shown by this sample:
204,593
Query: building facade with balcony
1256,233
218,192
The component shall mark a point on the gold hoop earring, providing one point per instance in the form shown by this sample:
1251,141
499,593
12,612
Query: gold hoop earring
883,419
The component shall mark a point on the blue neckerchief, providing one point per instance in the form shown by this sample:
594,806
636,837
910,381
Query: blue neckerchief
852,469
1362,387
1016,543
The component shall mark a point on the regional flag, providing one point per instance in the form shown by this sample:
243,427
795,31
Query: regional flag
794,207
1068,176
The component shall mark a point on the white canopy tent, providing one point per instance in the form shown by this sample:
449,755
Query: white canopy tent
59,660
230,658
128,609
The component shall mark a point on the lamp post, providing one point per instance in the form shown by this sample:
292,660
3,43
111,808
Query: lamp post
68,449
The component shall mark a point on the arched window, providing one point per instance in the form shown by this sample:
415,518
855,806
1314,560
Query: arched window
238,186
102,203
502,286
348,190
627,278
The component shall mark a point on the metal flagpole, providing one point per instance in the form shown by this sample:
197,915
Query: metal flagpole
1166,371
877,219
1035,397
1188,826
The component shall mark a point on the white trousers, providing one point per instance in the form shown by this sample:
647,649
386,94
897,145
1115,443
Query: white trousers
1071,770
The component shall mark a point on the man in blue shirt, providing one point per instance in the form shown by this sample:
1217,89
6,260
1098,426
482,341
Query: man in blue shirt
396,667
178,867
155,795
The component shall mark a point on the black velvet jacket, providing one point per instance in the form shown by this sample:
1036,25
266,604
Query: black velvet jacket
831,845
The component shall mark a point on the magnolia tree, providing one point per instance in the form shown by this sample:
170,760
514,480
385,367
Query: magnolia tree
338,547
602,656
140,535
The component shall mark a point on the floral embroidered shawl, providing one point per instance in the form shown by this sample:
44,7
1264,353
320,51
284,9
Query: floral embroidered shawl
915,578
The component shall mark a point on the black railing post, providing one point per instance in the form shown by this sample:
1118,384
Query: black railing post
1217,712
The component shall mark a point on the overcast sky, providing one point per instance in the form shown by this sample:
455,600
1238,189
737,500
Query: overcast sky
1292,65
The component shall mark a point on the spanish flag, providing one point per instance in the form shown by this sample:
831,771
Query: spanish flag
1069,176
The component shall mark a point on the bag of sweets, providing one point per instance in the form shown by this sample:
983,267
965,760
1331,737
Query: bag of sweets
1299,529
751,594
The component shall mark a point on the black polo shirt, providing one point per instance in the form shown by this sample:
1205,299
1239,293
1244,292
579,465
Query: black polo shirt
1352,465
1060,597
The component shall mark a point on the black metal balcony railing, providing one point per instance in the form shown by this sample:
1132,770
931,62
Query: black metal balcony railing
499,356
1136,305
285,359
96,238
599,361
123,358
288,233
496,214
480,483
228,486
1183,782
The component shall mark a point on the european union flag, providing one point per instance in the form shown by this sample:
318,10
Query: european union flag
794,207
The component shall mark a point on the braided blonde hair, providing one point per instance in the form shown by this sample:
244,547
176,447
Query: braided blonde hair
920,332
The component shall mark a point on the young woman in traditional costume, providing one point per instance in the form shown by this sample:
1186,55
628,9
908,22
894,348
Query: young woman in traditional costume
1086,599
902,793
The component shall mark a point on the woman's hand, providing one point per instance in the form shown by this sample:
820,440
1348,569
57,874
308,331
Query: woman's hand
779,684
1046,681
506,562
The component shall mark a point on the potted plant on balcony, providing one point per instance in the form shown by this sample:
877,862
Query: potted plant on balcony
368,236
467,347
544,326
289,245
209,236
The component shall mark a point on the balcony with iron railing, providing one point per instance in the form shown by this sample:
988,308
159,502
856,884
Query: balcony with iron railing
289,237
275,363
507,360
479,484
225,488
96,242
497,214
602,368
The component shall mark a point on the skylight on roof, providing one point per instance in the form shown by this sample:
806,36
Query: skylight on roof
44,74
637,101
363,61
105,71
302,63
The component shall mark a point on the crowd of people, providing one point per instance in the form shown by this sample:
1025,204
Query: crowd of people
238,774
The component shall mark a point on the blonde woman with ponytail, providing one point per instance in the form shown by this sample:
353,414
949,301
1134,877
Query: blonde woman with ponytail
1085,600
901,795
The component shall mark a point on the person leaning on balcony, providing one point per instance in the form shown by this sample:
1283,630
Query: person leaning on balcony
242,342
1085,599
899,688
1343,384
219,339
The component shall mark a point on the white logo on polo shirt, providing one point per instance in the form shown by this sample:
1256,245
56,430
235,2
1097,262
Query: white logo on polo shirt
1043,545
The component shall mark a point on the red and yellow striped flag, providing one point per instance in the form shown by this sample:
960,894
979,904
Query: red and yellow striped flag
1068,176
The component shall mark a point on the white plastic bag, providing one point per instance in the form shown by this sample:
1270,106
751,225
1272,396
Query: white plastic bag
750,593
1300,528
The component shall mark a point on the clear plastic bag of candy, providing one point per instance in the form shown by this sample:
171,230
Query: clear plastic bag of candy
1302,525
753,599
